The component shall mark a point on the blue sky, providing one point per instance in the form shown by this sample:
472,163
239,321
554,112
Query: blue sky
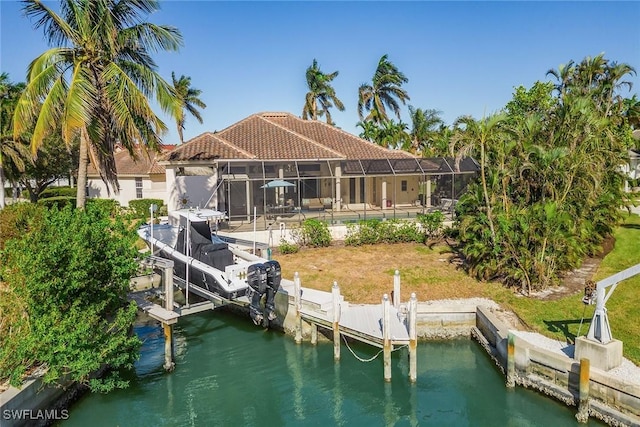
460,57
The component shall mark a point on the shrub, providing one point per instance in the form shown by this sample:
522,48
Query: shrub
312,233
111,207
59,202
68,278
372,231
16,220
140,207
50,192
287,247
432,223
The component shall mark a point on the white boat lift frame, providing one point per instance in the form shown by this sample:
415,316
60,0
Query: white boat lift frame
599,330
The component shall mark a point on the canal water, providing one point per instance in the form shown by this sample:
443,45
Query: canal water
230,373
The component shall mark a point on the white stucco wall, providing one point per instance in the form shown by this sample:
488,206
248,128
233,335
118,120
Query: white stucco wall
190,191
152,188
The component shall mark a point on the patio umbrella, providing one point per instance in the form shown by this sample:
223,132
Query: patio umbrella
276,183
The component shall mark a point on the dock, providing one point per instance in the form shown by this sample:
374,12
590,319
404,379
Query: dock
387,325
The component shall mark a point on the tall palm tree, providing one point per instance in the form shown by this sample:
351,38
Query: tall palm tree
321,95
96,79
11,150
385,89
189,100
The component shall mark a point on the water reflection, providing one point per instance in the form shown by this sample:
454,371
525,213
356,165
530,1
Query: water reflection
230,373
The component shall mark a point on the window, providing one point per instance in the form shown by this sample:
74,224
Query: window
138,188
403,185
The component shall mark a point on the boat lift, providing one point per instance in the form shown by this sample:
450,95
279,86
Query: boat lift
600,331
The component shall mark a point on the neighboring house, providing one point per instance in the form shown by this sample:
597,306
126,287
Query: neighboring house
140,178
319,167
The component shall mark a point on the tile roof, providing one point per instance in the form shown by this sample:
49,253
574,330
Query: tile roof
280,136
144,164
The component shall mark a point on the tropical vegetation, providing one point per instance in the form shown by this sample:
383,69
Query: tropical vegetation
551,180
189,100
96,81
11,150
321,96
384,91
64,278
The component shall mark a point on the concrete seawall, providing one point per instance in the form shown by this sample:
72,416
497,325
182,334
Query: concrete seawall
611,399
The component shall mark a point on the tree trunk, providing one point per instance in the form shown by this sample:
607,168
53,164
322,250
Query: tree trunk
486,193
83,163
2,198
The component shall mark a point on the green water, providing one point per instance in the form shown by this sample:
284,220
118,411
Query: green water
230,373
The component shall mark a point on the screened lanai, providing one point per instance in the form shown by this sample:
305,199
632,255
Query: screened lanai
340,190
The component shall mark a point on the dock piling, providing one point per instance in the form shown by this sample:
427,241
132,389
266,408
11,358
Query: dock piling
386,334
413,338
298,303
335,291
511,361
396,289
167,283
583,407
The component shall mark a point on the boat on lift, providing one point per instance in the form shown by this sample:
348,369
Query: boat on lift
204,260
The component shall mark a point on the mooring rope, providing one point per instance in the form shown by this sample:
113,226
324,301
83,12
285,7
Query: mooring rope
344,338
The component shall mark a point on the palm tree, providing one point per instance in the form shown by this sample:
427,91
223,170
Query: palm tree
320,92
11,150
385,89
96,79
188,98
472,136
424,129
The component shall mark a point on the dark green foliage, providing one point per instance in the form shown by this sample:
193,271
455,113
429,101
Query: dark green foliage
288,248
59,201
58,191
110,206
551,185
15,220
372,231
68,279
313,233
140,207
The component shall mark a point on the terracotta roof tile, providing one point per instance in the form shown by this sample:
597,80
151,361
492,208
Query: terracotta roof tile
280,136
207,146
144,163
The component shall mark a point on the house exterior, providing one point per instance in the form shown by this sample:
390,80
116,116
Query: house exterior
279,163
139,178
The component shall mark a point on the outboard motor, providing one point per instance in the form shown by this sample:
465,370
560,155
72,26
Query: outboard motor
274,276
257,280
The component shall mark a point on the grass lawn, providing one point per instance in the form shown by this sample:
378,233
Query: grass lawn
365,273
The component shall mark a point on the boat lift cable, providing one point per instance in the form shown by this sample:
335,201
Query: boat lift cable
371,359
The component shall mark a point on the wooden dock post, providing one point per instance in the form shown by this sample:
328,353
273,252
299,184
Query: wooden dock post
335,291
413,338
386,336
511,361
396,289
583,407
167,282
298,303
314,334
